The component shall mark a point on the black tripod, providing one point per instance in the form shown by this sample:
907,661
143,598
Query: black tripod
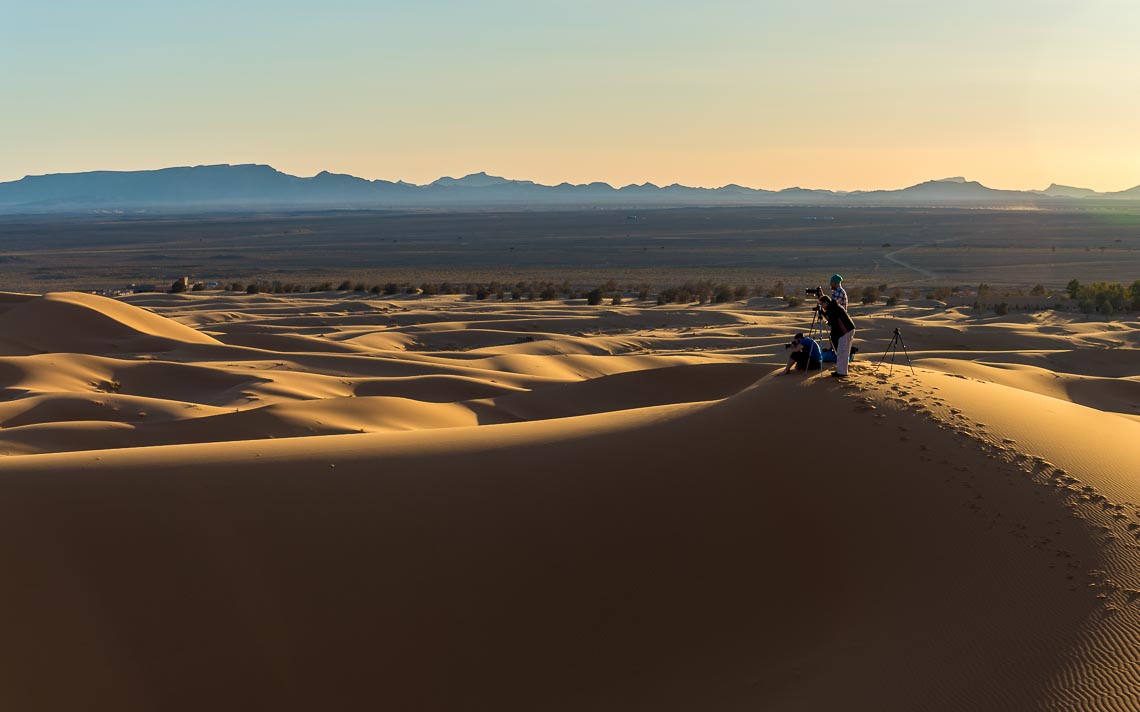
892,349
815,332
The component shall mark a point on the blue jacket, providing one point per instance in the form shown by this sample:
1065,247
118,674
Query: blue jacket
811,348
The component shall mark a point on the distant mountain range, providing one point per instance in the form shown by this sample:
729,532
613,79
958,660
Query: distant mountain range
226,187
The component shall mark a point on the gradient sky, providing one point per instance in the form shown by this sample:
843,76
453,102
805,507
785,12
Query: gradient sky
771,94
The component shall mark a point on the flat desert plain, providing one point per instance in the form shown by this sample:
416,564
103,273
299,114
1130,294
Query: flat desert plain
222,501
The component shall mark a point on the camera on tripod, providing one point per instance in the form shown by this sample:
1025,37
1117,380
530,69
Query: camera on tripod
892,349
816,292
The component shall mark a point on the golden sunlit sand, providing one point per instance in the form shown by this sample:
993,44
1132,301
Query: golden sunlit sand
317,502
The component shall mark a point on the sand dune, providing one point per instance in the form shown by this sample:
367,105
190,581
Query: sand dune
70,322
1119,395
560,507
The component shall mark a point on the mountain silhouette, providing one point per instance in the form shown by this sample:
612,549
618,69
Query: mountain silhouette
1133,193
1068,191
955,189
475,180
250,186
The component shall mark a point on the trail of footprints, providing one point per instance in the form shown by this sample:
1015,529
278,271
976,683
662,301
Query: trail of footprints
1117,524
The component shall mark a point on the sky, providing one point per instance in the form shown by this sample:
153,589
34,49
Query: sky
832,94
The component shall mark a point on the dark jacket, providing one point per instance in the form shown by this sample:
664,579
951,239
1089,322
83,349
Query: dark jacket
839,321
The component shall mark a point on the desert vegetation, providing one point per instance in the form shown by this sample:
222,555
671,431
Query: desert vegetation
1104,297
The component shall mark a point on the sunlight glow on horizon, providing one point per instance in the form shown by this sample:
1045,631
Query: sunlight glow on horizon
838,95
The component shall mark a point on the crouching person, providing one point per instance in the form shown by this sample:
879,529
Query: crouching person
805,354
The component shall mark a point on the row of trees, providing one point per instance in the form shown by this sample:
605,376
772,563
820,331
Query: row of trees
1097,297
1104,297
700,292
533,290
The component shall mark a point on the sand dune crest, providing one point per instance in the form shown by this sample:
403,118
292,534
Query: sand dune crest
71,322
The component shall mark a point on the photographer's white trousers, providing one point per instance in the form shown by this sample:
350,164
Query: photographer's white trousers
843,352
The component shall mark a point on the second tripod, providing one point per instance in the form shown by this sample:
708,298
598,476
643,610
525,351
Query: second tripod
892,349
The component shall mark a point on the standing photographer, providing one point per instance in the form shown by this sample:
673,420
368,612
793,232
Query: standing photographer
842,333
805,355
838,293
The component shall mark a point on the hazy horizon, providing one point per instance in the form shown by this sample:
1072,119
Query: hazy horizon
459,176
843,96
